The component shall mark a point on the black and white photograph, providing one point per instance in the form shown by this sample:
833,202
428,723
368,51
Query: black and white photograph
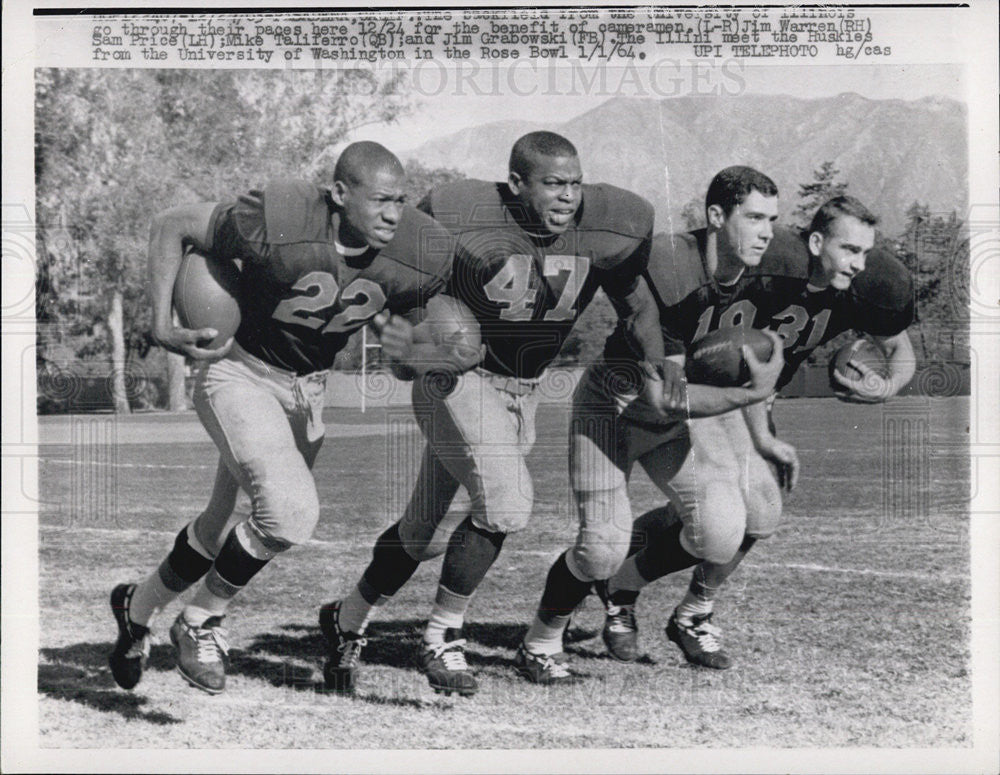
501,389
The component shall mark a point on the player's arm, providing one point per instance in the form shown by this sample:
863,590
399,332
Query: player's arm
710,400
872,387
664,385
441,337
771,448
170,233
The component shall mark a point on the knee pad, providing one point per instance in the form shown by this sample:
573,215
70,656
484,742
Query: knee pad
714,528
288,519
423,539
763,504
605,533
506,498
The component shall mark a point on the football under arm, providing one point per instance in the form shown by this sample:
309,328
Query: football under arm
446,339
169,233
902,360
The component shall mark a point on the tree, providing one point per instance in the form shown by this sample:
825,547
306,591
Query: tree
115,146
693,214
824,186
98,139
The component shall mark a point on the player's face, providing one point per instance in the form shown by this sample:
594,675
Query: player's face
552,191
747,230
371,208
842,252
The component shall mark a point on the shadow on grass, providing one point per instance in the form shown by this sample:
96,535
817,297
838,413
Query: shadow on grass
79,673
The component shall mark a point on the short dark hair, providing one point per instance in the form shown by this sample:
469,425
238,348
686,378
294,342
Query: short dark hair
359,160
733,185
535,144
834,208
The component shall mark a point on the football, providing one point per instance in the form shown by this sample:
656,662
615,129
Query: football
847,358
206,295
717,358
446,319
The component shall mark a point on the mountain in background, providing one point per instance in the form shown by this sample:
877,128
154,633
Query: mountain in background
890,152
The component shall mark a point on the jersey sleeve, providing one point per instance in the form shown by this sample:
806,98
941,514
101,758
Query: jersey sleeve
882,296
237,229
672,330
619,281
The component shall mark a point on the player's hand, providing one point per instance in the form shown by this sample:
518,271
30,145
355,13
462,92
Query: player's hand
764,374
185,341
785,459
395,333
871,388
666,387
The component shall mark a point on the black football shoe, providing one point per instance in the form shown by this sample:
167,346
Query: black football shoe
701,641
446,669
621,631
132,647
545,669
343,657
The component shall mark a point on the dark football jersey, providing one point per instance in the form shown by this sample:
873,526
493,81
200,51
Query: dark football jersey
774,294
527,290
300,299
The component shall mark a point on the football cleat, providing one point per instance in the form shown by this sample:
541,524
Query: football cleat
343,651
132,647
201,653
446,669
700,641
545,669
621,632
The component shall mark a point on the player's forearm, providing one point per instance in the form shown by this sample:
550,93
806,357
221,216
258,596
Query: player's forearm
708,400
756,418
902,361
639,312
166,249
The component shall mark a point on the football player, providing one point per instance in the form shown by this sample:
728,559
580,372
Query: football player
530,254
740,271
317,264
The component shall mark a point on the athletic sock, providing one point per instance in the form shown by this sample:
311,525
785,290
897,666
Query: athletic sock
448,613
564,590
665,556
390,568
242,556
706,581
187,562
546,638
471,553
357,608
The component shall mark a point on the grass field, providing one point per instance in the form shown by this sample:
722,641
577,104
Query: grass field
850,627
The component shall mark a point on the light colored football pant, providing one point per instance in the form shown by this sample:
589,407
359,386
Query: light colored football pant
708,467
611,430
478,436
268,425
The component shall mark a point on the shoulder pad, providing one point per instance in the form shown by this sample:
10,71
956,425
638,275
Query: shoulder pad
421,243
675,266
786,256
609,208
295,211
885,283
468,204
